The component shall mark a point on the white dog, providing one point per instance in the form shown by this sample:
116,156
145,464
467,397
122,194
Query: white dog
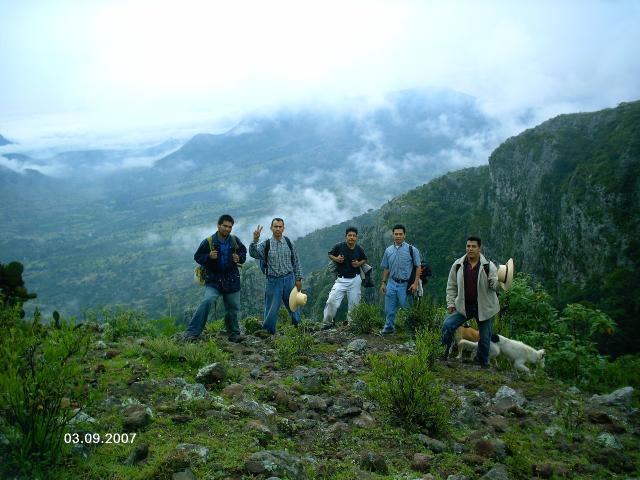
517,352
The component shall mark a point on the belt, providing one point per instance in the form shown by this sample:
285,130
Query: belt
347,276
397,280
280,276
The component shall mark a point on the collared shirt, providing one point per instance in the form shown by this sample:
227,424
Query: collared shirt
279,261
397,259
471,288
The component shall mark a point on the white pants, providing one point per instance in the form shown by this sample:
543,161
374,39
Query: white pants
350,286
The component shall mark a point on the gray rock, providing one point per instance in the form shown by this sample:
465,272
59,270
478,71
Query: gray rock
139,453
191,392
364,420
136,418
310,379
278,463
357,346
81,417
190,448
422,462
172,382
212,374
80,450
261,431
254,409
316,403
359,386
374,462
233,390
255,373
506,399
619,398
185,474
498,472
607,440
457,476
432,444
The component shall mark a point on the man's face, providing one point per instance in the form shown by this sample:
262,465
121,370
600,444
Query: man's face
277,228
351,238
398,236
224,229
473,250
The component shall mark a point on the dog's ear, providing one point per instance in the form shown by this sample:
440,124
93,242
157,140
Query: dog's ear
495,338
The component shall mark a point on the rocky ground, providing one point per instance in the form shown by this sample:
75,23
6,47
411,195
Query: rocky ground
245,412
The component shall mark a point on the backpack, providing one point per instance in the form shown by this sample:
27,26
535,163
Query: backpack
412,277
200,272
264,262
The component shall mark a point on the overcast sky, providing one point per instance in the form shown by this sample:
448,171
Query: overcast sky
112,67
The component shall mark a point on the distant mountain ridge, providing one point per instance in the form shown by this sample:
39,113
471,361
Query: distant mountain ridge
86,236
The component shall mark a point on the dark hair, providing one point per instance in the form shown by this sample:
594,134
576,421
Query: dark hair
475,239
351,229
225,218
399,226
277,219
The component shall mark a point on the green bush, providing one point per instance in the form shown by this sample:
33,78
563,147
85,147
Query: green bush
406,386
194,355
403,386
424,314
365,318
252,325
294,347
120,323
40,375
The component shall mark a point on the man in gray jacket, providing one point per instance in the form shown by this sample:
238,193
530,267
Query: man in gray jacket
471,293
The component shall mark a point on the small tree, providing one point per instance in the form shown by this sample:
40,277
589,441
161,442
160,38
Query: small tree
12,288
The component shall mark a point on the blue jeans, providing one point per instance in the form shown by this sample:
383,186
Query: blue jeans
277,291
231,308
396,297
455,320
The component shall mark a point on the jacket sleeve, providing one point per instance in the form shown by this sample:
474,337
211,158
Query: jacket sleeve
242,251
493,277
452,287
202,254
256,250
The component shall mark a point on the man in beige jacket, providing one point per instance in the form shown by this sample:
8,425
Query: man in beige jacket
471,293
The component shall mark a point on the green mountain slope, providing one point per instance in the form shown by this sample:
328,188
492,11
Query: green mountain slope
562,199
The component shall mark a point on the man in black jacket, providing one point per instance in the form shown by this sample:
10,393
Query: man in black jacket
220,255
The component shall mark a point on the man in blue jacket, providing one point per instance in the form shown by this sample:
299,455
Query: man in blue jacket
220,255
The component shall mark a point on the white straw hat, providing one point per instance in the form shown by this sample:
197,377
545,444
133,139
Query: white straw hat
296,299
505,274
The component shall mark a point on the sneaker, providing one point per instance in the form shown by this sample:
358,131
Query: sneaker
384,333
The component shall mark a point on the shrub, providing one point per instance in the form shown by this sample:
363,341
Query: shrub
119,323
406,388
252,325
424,314
365,318
292,349
194,355
428,347
40,375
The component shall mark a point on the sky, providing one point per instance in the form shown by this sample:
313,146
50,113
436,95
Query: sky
119,69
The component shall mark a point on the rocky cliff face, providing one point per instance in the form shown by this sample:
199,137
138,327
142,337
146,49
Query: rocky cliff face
565,196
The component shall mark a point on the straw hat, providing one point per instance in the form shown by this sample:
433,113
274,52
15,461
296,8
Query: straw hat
505,274
296,299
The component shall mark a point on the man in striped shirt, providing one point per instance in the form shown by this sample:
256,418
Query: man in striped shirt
281,265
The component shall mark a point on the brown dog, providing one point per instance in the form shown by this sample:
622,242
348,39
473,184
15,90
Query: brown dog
466,333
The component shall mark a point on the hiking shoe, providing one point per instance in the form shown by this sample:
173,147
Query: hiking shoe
384,333
328,326
262,333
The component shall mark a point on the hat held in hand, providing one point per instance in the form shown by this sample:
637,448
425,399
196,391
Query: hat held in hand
505,274
296,299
